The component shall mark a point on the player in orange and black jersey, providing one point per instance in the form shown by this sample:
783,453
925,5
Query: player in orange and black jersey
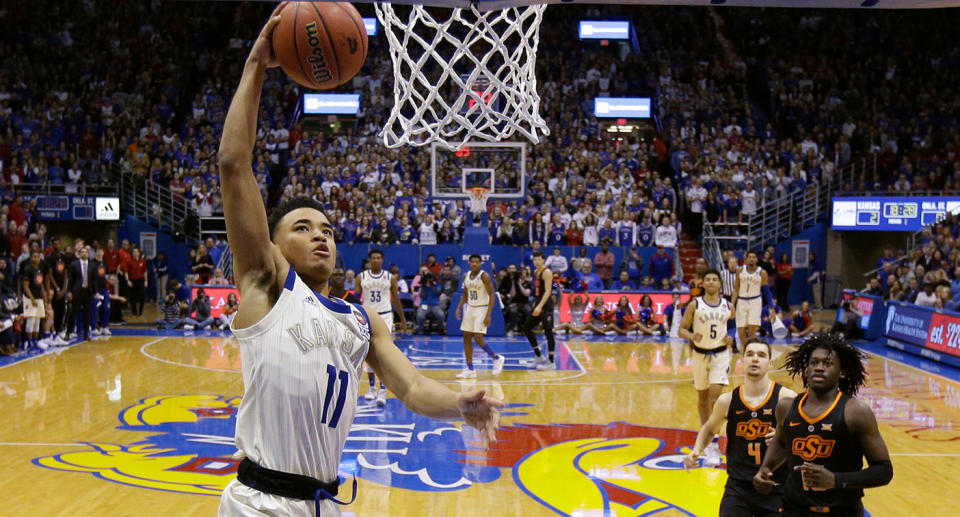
825,434
542,301
749,412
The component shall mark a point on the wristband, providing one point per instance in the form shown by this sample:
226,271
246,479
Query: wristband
837,482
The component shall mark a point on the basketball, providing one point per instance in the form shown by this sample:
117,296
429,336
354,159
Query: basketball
320,45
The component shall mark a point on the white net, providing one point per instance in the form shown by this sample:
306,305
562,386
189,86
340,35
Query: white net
478,200
462,74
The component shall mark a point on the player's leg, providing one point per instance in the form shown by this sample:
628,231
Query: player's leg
741,319
753,318
547,325
529,324
372,391
468,372
701,383
736,501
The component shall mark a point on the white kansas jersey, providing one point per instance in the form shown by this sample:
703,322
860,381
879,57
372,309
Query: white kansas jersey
710,321
476,292
749,283
300,380
376,291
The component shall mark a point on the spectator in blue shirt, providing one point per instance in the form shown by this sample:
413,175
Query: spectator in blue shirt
732,208
623,283
430,290
607,233
661,266
645,232
633,265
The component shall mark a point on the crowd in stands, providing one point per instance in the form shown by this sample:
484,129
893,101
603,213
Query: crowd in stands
929,275
726,149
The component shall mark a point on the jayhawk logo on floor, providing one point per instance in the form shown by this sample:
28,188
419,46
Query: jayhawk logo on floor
613,469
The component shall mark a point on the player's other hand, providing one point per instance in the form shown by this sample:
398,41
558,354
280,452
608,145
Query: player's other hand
536,312
690,460
458,313
697,338
816,477
769,436
486,321
482,413
763,481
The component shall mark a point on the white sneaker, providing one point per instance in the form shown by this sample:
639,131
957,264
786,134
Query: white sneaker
43,344
467,373
546,365
95,333
56,340
105,331
509,333
382,397
73,335
62,335
498,364
537,361
188,327
371,393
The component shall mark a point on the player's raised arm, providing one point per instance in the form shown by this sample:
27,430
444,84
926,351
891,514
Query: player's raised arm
254,257
709,429
424,395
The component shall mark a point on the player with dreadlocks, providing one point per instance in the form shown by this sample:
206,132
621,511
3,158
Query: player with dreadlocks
825,434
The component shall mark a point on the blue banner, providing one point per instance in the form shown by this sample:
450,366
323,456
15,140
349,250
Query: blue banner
76,208
621,107
891,214
604,30
908,323
331,103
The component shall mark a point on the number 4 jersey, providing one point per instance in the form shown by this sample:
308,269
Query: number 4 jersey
747,428
300,372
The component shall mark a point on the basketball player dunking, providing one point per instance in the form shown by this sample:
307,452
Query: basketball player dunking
825,435
378,289
542,312
705,325
478,289
749,412
750,284
302,351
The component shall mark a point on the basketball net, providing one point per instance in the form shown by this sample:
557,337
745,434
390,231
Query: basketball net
478,199
494,97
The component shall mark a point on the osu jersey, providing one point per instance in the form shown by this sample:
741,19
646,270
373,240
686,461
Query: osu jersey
825,440
746,428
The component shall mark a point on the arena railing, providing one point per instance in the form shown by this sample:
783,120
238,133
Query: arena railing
157,205
787,215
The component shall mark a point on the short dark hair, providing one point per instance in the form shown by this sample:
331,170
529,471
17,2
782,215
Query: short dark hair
712,271
475,256
538,253
754,253
756,340
289,206
373,252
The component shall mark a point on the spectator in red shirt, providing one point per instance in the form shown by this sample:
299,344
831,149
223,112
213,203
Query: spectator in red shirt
432,264
603,262
111,256
135,270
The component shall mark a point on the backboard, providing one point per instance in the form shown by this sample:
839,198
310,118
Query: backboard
499,166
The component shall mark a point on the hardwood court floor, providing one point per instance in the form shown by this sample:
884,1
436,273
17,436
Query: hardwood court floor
143,426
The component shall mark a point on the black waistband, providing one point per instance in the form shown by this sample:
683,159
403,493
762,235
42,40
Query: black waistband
283,484
709,351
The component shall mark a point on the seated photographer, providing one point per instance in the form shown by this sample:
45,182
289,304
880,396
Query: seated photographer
201,309
514,288
170,308
849,323
429,301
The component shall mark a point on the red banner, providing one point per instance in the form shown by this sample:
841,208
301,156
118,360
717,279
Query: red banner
611,298
944,335
218,296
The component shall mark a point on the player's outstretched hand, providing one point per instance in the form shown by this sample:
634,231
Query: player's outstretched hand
262,50
763,481
816,477
690,461
481,413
